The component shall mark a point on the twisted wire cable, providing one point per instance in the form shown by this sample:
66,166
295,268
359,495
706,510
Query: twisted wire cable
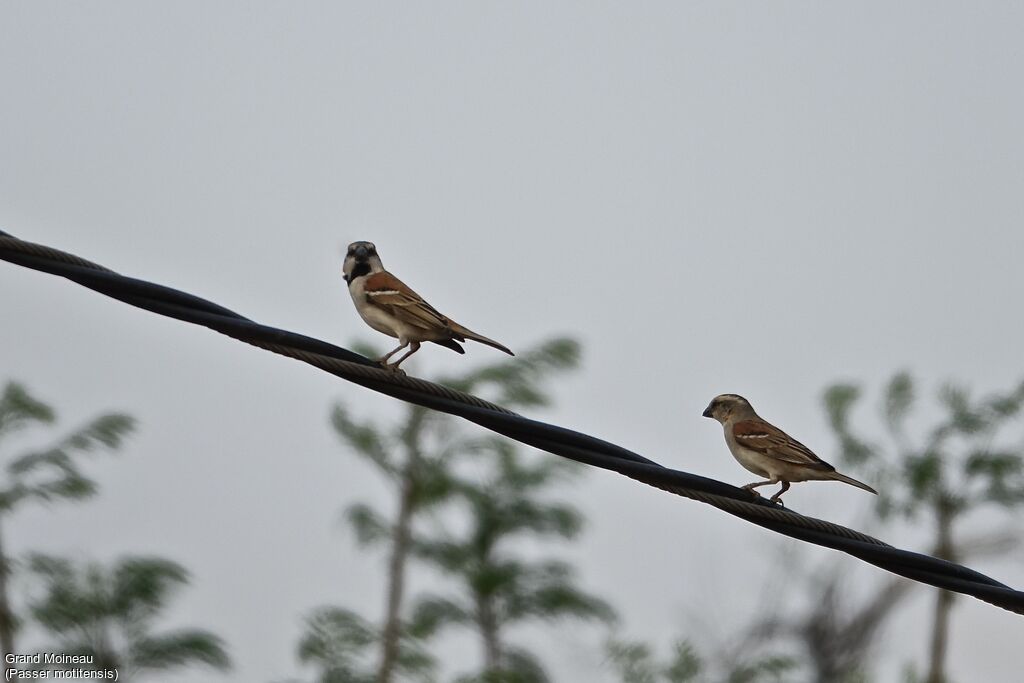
547,437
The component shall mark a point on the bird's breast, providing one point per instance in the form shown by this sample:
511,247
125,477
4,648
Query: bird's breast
752,461
372,314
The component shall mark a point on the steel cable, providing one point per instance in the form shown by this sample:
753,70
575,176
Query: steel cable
551,438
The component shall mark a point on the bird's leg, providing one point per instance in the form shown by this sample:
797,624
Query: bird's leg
778,494
414,349
383,360
752,486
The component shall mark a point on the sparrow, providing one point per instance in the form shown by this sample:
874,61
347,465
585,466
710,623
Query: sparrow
766,450
388,305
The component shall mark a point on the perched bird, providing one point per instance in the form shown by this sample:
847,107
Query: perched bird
388,305
768,451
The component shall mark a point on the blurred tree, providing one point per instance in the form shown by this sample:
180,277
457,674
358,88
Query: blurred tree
47,475
337,641
958,466
634,662
498,589
836,631
108,613
415,456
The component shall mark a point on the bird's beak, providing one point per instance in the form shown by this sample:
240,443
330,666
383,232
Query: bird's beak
361,252
707,411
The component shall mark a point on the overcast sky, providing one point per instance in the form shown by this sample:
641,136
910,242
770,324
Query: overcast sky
759,198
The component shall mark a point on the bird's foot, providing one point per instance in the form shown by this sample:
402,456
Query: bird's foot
384,365
749,488
776,499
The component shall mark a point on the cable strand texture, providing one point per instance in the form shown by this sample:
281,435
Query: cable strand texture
551,438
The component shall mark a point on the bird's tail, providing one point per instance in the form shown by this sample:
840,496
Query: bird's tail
451,344
851,481
470,334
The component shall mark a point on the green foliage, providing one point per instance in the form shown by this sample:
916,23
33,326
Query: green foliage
18,409
519,666
371,529
770,669
546,590
431,613
52,473
496,589
501,507
839,401
49,474
365,437
965,460
338,642
922,473
431,483
178,649
108,612
956,466
517,381
899,398
685,664
335,641
634,662
425,457
415,452
418,456
997,470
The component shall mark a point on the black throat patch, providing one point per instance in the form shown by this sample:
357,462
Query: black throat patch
361,268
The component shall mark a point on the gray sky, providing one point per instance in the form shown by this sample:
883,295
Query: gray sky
751,197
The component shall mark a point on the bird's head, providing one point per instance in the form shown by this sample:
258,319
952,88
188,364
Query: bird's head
361,259
724,406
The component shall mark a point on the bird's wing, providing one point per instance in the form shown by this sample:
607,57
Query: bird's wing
759,436
390,293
